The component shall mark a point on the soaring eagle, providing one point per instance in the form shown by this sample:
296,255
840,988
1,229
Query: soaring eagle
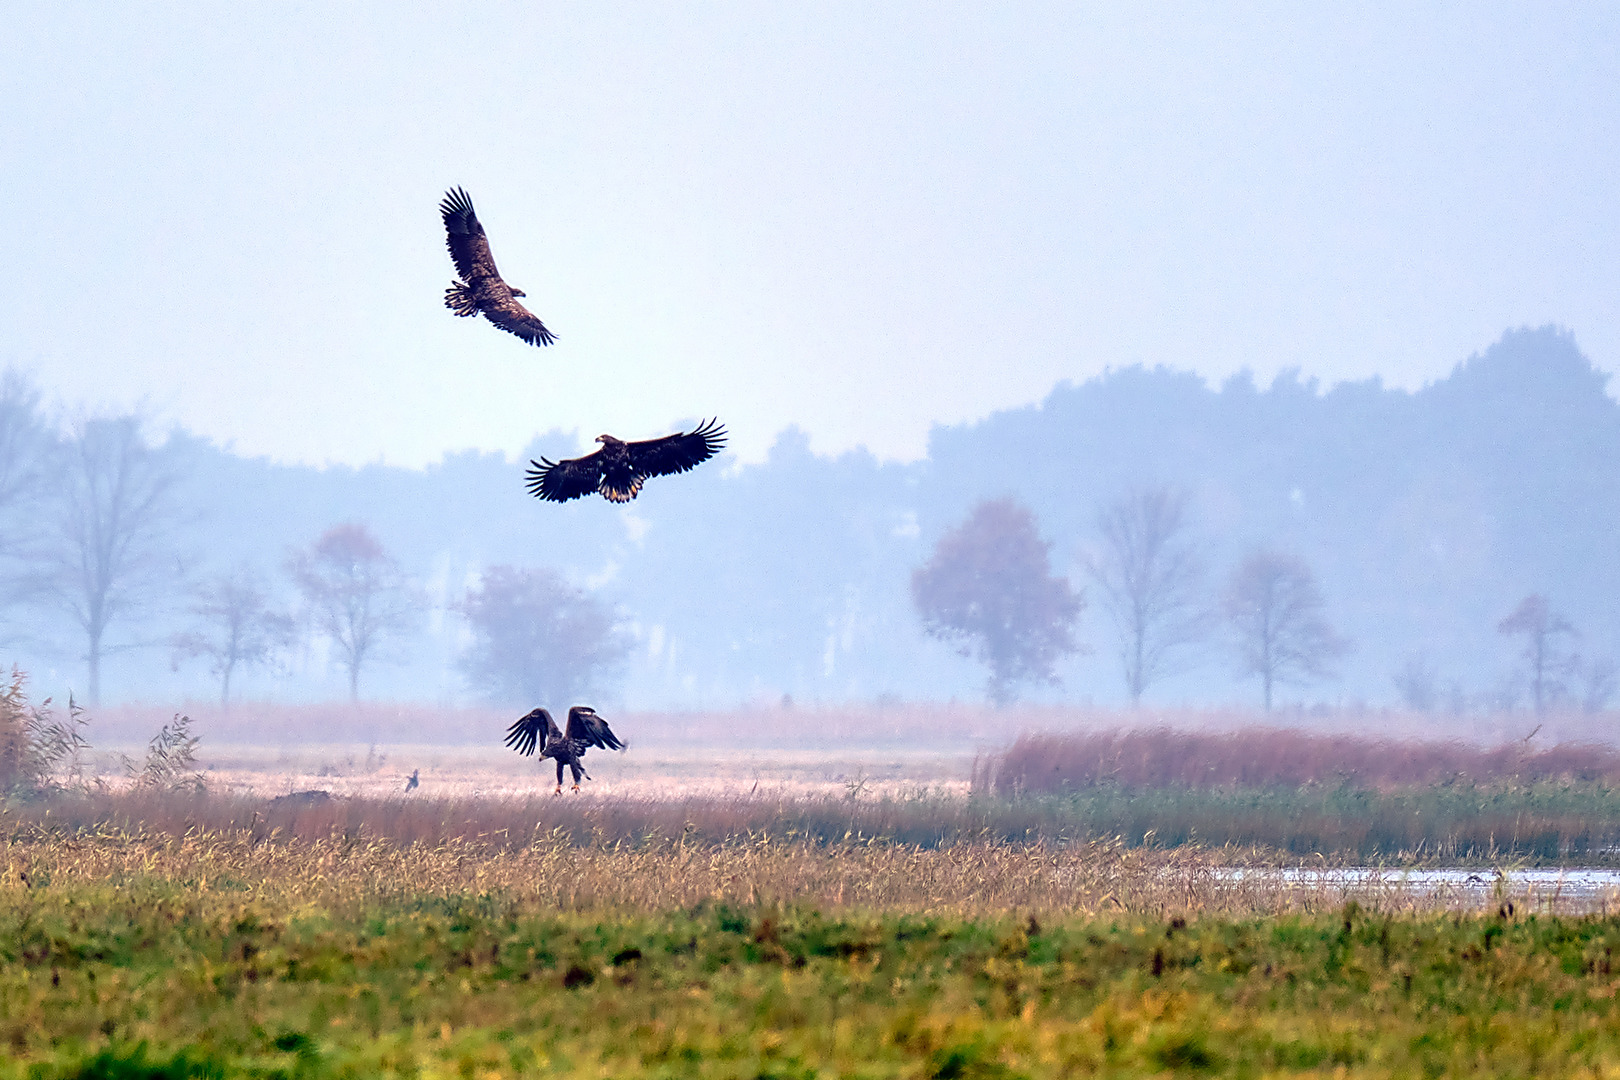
585,730
620,468
481,288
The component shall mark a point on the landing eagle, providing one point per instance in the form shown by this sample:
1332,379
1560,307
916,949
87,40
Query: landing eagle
585,730
481,288
620,468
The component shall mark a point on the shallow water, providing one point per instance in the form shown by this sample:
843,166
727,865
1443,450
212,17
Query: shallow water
1564,889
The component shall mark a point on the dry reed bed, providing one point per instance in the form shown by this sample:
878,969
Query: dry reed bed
966,879
1269,757
928,819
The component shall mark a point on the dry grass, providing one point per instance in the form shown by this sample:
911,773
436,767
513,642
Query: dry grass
931,853
339,872
925,819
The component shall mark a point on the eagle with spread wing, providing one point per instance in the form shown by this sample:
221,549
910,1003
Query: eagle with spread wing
585,730
481,288
620,468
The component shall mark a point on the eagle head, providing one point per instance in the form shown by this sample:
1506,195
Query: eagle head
608,440
516,291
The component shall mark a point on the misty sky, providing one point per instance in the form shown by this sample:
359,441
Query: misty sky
863,219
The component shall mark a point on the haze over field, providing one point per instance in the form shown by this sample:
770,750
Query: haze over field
1342,280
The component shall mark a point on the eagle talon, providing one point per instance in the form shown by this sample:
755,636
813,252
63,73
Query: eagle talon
576,787
558,791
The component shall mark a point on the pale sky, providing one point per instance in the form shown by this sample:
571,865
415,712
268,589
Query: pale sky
862,219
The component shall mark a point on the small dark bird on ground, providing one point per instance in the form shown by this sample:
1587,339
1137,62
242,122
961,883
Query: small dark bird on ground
585,730
481,288
411,782
619,469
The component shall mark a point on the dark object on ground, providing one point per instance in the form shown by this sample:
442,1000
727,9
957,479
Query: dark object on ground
620,468
481,289
411,781
302,798
585,730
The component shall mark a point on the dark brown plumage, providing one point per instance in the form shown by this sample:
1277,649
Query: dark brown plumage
585,730
620,468
481,289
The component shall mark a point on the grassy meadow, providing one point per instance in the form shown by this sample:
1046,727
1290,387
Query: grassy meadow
210,954
1076,912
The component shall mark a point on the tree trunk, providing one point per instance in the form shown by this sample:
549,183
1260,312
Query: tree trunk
1539,664
1136,680
93,659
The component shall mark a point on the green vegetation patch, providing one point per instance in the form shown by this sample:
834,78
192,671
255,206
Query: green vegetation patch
1548,821
154,980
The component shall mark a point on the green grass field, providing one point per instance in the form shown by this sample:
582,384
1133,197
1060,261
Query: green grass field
224,955
150,980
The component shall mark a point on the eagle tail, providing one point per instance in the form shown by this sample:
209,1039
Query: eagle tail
459,299
614,493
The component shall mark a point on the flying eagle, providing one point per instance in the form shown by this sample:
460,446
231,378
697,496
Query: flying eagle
481,288
620,468
585,730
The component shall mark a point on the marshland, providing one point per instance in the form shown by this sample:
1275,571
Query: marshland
1105,899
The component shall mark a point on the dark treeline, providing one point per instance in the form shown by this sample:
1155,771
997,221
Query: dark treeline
1424,521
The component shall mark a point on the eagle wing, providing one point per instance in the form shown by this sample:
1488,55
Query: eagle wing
678,453
514,318
482,288
559,481
469,247
586,727
533,728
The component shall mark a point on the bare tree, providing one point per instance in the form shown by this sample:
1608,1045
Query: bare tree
1601,675
26,448
236,627
1418,683
989,589
1148,578
1548,663
357,595
111,549
27,457
1274,610
538,639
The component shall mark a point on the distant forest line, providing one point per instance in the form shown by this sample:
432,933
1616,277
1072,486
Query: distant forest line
1426,518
